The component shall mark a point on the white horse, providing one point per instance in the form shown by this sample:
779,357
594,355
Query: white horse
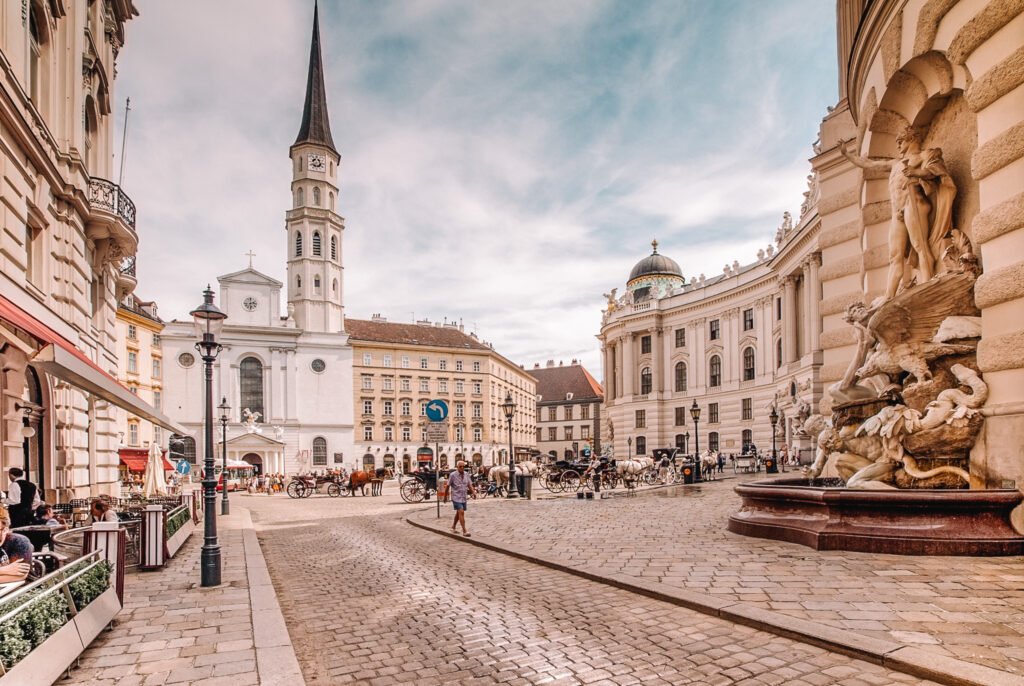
499,474
633,467
709,463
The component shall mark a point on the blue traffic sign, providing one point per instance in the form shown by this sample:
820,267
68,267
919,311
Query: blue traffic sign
437,410
183,467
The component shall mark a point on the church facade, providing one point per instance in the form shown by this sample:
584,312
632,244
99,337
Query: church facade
287,377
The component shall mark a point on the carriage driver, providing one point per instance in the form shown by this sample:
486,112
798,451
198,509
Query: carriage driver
460,487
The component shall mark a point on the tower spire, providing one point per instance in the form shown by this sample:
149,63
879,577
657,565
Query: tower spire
316,125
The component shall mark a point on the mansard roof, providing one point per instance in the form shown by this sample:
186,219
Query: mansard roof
554,384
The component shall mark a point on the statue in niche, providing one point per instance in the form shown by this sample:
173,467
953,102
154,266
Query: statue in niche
921,191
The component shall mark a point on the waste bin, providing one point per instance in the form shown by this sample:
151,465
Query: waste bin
770,465
524,484
688,469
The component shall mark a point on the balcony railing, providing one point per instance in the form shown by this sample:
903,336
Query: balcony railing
109,196
128,266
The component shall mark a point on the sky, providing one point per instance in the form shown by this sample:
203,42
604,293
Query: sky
503,164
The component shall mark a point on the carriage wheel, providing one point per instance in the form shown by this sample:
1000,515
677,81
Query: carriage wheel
295,489
553,483
650,477
309,490
334,490
570,480
412,492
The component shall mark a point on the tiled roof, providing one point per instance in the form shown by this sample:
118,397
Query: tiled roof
411,334
554,383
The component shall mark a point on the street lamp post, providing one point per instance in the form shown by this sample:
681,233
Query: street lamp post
773,466
695,414
209,320
225,415
509,408
686,442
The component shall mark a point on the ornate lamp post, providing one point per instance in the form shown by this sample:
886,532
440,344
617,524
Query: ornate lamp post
629,447
209,320
686,442
225,415
773,465
509,408
695,414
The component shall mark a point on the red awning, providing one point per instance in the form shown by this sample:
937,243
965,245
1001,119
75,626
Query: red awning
61,358
135,460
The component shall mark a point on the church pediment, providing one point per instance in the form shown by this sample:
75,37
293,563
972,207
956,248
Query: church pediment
249,276
254,440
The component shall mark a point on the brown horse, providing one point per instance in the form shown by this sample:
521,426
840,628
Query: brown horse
358,479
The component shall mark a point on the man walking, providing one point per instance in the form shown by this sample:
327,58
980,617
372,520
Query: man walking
22,498
460,487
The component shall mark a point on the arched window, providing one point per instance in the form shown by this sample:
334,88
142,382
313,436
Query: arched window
334,285
645,380
641,445
298,280
250,373
92,126
715,371
316,244
713,441
320,451
748,440
316,283
748,364
36,41
778,353
681,442
298,244
334,248
184,447
316,196
300,197
330,200
680,377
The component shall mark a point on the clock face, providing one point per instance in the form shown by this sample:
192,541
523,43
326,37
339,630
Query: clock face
317,162
249,304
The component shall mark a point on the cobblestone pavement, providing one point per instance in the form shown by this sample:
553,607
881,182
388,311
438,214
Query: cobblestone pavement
968,608
370,599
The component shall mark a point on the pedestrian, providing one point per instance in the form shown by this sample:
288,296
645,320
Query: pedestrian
22,498
100,512
663,471
721,463
460,487
15,552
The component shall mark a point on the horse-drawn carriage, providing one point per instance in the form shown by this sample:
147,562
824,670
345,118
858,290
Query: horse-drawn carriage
305,485
419,486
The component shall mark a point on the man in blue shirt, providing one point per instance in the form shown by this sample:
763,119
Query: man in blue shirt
460,487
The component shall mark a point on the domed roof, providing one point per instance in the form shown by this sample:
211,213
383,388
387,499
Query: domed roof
655,264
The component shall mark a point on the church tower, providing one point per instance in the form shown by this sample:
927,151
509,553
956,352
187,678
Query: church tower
314,228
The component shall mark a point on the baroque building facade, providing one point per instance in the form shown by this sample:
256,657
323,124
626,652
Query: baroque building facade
736,344
140,370
398,368
68,239
569,410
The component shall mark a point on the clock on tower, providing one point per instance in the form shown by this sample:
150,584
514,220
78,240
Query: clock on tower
316,162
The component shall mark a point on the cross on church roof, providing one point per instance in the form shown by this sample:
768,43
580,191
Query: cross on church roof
654,244
250,255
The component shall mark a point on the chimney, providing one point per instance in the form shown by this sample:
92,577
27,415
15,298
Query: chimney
377,319
551,363
536,365
575,362
560,363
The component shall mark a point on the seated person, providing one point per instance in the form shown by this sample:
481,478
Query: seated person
15,552
101,512
45,515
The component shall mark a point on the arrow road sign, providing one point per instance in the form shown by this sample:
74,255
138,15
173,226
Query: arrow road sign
183,467
437,410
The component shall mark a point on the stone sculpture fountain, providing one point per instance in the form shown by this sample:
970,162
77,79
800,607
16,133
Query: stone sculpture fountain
905,415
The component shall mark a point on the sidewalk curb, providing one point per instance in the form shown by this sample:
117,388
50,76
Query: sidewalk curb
276,661
891,654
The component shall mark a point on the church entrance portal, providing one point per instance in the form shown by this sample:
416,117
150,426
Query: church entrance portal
255,460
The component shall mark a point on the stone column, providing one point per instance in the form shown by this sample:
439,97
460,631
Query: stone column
698,370
274,387
789,337
628,371
808,323
290,385
813,313
657,362
668,342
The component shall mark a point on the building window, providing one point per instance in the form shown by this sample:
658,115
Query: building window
748,440
715,371
645,345
405,361
778,353
406,433
406,408
187,444
460,410
442,386
680,338
316,196
476,366
156,369
567,432
367,359
298,245
459,387
35,58
423,434
552,414
389,433
316,244
714,329
680,416
334,248
778,309
645,381
748,319
316,283
747,405
423,408
641,419
133,334
133,434
319,451
423,363
157,435
478,411
298,280
158,400
405,383
389,408
368,433
552,433
477,388
680,377
458,365
442,365
424,385
300,197
681,441
748,364
713,441
133,363
367,382
156,341
585,411
585,433
641,445
478,434
387,360
568,413
367,407
712,413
